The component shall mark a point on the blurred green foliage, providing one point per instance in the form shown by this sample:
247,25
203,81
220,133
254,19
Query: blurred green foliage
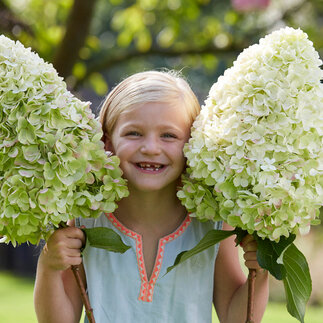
200,37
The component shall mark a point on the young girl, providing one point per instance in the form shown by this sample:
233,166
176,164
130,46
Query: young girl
146,121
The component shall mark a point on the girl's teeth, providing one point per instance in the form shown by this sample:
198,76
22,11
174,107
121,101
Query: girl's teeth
150,167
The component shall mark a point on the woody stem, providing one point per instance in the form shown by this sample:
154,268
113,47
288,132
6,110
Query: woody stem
84,296
85,299
251,292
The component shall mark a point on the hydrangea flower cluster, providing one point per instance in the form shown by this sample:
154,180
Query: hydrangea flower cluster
255,156
53,166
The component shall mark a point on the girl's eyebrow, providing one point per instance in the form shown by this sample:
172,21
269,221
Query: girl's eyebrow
163,127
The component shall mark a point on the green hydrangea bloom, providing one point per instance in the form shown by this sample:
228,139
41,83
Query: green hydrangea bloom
53,166
256,149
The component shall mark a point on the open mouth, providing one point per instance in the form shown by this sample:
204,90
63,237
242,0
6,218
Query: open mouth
151,167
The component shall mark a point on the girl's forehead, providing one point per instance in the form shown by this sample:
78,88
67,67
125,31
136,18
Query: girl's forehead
156,108
155,113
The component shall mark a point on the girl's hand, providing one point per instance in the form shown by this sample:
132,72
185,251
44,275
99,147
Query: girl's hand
63,249
249,246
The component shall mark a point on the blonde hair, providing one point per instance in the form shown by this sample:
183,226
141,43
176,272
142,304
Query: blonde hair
151,86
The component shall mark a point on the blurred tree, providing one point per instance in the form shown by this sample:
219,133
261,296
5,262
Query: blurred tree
8,21
87,39
77,30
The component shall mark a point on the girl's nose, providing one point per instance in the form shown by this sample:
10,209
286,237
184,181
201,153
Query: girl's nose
150,146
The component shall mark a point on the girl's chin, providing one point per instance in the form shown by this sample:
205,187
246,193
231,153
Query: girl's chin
151,187
146,188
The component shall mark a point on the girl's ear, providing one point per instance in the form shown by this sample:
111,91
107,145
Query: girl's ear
107,143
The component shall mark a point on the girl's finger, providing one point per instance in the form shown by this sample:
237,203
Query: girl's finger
252,264
74,243
247,239
250,246
250,255
76,233
75,261
251,261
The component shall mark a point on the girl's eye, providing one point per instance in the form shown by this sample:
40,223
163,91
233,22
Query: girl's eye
169,135
133,133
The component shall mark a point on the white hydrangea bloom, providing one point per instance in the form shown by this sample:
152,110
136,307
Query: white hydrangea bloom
53,166
255,155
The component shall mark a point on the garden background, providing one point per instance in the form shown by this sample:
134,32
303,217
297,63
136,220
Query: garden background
94,44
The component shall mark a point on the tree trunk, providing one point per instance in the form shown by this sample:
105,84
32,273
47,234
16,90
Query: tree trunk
77,29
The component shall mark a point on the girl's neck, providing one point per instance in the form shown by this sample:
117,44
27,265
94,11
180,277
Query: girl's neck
151,210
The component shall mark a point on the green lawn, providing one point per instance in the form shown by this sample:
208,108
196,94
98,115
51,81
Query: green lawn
16,300
277,313
16,304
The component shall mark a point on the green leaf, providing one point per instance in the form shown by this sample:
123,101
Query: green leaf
240,235
268,253
210,239
105,238
297,282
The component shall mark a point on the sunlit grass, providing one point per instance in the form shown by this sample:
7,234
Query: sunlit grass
16,304
277,313
16,299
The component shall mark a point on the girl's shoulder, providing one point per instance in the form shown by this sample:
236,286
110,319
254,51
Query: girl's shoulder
206,225
197,230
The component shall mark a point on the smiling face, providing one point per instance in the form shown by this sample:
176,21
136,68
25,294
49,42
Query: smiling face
149,141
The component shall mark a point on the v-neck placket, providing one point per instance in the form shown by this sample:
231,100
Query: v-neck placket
147,287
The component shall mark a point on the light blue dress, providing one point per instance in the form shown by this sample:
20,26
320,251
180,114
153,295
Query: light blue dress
120,292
